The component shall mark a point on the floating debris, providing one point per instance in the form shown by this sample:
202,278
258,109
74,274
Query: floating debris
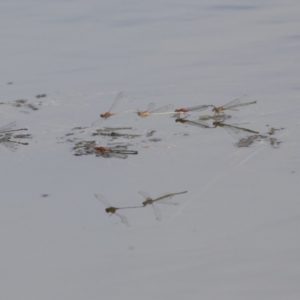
19,102
274,142
23,103
150,133
246,142
273,130
84,148
31,106
22,136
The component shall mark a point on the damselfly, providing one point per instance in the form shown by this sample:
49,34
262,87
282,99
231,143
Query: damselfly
149,200
232,105
109,113
151,111
113,210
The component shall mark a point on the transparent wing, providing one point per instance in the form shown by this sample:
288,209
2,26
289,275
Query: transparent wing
98,122
246,142
162,109
241,104
168,202
102,199
198,107
235,132
117,155
10,145
169,196
150,106
198,123
145,195
112,154
156,212
201,123
118,148
116,100
8,127
121,150
123,219
232,103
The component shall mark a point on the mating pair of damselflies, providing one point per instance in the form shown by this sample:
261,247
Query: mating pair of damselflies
148,201
150,110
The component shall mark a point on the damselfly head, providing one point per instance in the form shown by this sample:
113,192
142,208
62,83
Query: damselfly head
111,210
149,201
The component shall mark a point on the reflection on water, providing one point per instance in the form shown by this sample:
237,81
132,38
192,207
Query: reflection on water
7,133
91,147
82,146
10,144
233,129
245,136
247,141
198,123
